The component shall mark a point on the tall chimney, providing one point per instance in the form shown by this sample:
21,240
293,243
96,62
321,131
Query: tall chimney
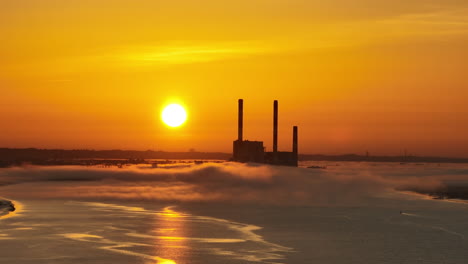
240,125
275,126
295,151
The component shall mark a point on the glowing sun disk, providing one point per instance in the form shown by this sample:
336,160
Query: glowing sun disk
174,115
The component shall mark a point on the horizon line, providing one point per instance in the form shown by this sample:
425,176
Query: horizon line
408,155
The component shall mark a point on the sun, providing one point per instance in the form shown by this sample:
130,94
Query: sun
174,115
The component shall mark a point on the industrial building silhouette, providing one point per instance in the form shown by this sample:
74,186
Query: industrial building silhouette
254,151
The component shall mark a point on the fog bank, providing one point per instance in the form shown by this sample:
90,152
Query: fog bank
349,183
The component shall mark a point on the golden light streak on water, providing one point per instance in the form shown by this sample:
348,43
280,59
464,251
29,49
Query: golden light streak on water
172,234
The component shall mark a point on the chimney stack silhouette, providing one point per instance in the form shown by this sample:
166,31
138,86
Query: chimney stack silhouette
275,126
295,150
240,125
254,151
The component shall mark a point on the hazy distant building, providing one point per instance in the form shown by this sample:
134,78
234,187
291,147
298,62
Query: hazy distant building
254,151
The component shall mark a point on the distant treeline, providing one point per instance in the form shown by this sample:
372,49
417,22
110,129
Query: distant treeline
12,157
354,157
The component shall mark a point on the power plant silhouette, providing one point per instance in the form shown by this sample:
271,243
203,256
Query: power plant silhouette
254,151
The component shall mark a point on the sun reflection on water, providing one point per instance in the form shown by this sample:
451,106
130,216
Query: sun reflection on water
167,261
168,212
171,236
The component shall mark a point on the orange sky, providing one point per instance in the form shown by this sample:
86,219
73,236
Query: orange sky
356,75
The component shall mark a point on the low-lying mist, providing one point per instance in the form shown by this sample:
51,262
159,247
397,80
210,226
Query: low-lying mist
349,183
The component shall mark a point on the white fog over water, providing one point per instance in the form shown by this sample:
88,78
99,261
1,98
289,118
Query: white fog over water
233,213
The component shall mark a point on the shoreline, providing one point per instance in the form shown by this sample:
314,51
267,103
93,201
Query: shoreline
446,192
6,208
433,197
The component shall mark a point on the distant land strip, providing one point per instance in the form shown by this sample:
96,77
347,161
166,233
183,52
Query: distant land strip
19,156
6,207
445,191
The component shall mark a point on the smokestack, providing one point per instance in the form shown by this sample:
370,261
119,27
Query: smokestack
275,126
240,125
295,151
